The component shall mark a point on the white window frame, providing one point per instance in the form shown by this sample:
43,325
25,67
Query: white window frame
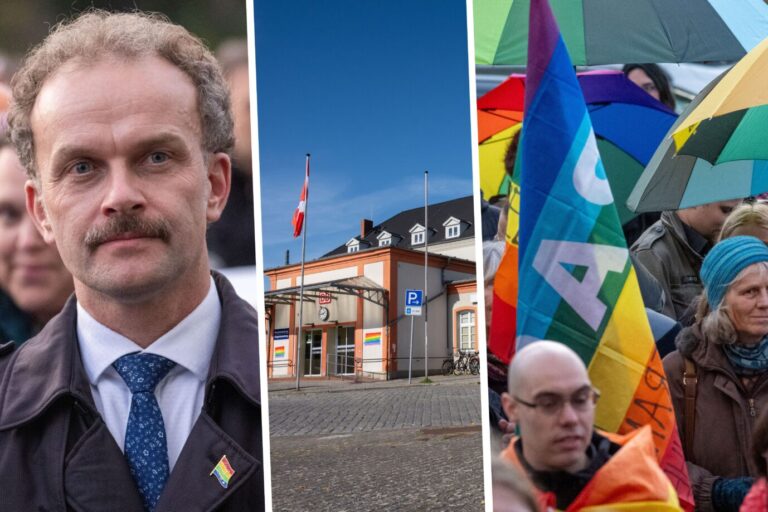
353,248
417,238
452,231
466,319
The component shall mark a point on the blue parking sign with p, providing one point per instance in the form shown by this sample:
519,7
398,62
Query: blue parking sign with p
414,297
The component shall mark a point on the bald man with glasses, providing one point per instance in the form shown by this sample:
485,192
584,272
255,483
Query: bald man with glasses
571,465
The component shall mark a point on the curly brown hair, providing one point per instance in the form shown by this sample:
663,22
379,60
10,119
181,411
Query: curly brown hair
134,35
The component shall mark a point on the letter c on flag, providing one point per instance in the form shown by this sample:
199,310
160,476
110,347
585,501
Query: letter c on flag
585,179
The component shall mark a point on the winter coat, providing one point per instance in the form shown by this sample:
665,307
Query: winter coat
665,253
56,453
725,413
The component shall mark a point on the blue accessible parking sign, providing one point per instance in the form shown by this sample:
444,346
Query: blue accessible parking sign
413,302
414,297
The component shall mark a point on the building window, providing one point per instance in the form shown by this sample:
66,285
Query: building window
417,238
466,329
385,242
452,231
353,248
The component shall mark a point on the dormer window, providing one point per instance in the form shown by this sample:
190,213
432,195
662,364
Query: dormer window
353,245
452,228
417,234
385,239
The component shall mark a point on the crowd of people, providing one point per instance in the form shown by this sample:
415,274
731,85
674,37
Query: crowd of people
703,277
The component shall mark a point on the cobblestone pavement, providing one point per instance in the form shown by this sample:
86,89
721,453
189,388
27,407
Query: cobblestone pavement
297,413
393,448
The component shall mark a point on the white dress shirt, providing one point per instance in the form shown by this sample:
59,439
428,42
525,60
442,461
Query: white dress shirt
180,394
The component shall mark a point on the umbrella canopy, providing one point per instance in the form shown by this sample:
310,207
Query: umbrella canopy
628,124
716,151
619,31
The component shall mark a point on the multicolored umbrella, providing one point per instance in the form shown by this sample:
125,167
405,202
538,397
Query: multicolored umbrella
716,151
628,123
619,31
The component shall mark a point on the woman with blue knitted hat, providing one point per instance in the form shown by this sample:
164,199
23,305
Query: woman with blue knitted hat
718,376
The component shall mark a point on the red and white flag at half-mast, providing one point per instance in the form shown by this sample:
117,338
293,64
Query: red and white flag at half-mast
298,214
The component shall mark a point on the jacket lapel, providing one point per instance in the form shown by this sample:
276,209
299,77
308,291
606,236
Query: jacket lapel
96,474
191,485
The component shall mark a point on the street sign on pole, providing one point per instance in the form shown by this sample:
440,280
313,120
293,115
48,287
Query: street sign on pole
414,297
413,310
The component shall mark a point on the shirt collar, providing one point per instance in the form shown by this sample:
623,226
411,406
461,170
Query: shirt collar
190,343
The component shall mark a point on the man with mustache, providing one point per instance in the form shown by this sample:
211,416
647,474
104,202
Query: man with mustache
143,394
571,465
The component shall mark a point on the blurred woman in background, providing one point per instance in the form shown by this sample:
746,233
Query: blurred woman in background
32,275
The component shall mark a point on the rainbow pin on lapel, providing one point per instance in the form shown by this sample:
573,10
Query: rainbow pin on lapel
223,471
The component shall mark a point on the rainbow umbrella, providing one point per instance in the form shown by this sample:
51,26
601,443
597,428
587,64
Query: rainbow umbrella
628,124
619,31
716,151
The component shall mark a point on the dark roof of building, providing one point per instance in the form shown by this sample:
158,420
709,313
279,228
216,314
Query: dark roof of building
400,225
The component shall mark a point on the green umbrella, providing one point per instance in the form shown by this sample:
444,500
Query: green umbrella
620,31
716,150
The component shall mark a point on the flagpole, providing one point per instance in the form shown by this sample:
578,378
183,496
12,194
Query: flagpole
301,286
426,286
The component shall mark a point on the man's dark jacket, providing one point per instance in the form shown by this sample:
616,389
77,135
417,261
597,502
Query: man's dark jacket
56,453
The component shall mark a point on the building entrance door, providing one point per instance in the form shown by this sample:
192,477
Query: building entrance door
345,350
313,351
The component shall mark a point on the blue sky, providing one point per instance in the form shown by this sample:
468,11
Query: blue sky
377,92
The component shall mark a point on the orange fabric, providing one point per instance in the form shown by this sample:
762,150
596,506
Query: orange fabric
631,475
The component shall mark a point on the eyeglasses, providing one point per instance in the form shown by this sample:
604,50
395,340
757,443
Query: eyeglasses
552,404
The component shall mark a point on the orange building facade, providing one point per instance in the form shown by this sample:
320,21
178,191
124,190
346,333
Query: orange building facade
354,318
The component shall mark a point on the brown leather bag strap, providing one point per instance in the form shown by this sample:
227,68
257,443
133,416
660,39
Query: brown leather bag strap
689,383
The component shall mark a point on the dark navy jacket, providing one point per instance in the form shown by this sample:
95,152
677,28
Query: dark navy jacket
56,453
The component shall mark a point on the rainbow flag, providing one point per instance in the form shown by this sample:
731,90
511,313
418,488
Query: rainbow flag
280,351
576,283
223,471
372,338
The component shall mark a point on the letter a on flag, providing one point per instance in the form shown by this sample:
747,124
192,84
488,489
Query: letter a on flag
576,283
298,214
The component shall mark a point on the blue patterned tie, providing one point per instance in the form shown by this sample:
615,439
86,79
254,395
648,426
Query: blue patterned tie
145,446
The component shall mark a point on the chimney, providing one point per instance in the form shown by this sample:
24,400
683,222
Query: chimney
366,226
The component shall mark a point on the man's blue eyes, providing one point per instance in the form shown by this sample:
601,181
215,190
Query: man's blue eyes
155,158
82,167
158,158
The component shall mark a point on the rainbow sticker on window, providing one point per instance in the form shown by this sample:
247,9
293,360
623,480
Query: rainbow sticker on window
372,338
280,351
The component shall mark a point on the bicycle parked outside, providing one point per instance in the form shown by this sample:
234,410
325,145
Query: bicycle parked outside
462,362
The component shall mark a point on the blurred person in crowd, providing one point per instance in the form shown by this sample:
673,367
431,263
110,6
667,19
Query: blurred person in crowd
653,80
673,248
511,491
572,466
749,219
231,240
31,272
493,252
143,393
718,377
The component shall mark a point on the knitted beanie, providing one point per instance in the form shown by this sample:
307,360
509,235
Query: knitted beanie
725,261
